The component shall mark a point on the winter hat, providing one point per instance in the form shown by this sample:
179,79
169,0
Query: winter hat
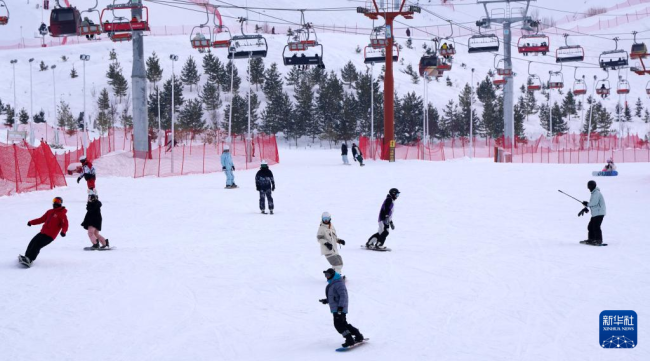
326,217
226,148
82,159
591,185
329,273
264,164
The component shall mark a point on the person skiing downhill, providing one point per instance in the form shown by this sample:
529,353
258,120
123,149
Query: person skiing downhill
54,222
357,155
336,296
344,153
328,241
228,166
93,223
88,173
598,210
265,184
376,241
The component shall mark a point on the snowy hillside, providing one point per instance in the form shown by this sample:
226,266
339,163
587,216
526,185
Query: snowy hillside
337,31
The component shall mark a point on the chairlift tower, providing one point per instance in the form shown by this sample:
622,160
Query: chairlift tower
139,89
389,10
506,17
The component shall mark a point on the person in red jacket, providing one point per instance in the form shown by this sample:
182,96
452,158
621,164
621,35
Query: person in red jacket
54,222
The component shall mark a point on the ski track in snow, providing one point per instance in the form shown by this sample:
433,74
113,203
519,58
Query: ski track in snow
485,265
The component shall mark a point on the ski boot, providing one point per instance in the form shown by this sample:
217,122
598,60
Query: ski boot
24,261
596,242
95,246
263,211
228,187
586,241
271,211
349,341
358,337
107,246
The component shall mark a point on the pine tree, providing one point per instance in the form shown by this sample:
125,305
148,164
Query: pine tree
103,102
627,114
125,118
638,108
103,121
11,116
415,77
120,85
113,69
236,80
491,120
278,117
65,119
294,76
240,113
485,91
112,55
73,73
190,74
211,99
363,89
409,43
209,68
329,106
81,125
449,120
305,109
349,74
560,125
601,121
449,83
646,116
409,115
520,116
317,76
433,123
43,67
465,101
23,116
154,71
569,105
40,117
346,128
272,82
166,102
191,116
256,71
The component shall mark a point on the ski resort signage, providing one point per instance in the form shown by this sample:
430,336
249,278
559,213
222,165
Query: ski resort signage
618,329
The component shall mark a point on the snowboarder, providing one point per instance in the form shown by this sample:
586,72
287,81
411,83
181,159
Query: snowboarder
93,223
376,241
88,173
328,240
54,222
344,153
357,155
337,297
228,166
610,166
265,184
597,206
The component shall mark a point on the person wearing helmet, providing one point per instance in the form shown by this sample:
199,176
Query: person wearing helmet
265,184
610,166
598,210
328,241
88,173
357,155
228,166
376,241
93,223
55,222
336,296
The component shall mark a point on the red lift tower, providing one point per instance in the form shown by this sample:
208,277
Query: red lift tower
389,10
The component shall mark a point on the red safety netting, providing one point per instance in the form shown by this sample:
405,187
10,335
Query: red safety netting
567,148
200,152
117,139
24,169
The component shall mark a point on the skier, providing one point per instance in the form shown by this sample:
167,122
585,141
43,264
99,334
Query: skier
597,205
93,223
337,297
376,241
357,155
228,166
610,166
55,222
328,240
265,184
344,153
88,173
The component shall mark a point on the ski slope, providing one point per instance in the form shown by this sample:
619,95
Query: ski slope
485,265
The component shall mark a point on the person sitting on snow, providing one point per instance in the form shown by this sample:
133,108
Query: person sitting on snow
610,166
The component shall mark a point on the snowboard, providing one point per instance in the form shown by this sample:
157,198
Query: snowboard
20,260
98,249
595,245
343,349
611,173
376,250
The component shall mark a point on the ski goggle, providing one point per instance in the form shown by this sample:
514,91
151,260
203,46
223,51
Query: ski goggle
57,200
396,195
326,219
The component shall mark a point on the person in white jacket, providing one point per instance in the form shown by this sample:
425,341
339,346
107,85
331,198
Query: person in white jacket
328,241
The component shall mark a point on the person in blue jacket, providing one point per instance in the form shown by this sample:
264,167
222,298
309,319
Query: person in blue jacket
337,298
228,166
598,210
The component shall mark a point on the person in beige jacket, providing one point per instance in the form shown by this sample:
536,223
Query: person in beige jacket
328,240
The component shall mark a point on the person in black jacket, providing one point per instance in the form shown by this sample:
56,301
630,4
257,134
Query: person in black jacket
265,184
357,155
93,223
344,153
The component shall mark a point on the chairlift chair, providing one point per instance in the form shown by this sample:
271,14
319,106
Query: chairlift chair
482,43
221,37
378,37
448,47
613,59
499,82
198,34
623,87
569,53
247,46
534,82
579,87
64,21
302,47
500,67
555,80
4,13
122,24
603,87
639,50
378,56
89,28
535,44
647,88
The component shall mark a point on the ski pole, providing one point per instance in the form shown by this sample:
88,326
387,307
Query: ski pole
568,195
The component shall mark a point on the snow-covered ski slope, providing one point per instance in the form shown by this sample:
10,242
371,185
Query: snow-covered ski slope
339,48
485,265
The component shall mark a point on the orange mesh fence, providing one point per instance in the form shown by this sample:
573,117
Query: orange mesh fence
24,169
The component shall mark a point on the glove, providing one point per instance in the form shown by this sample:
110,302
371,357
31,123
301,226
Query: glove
29,224
273,189
223,168
62,234
583,211
328,245
339,310
341,242
78,180
323,301
392,226
258,188
585,203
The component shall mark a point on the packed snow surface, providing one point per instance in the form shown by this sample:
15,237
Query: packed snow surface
485,265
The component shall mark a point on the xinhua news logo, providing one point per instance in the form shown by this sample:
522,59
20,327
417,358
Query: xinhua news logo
618,329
